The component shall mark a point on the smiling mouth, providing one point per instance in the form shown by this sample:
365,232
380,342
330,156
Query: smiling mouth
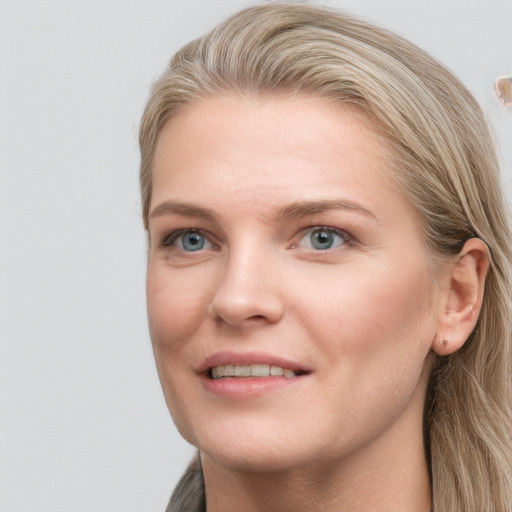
253,370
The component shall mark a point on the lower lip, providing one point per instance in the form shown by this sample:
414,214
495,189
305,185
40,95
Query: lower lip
244,387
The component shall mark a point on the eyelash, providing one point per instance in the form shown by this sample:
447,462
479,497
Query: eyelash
344,237
173,238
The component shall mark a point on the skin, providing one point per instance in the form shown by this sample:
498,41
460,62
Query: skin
362,316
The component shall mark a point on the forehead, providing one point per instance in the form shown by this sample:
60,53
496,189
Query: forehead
253,113
269,140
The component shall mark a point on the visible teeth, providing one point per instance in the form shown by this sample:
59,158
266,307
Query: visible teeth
276,370
260,370
242,371
253,370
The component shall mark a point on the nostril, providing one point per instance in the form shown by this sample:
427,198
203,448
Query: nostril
239,303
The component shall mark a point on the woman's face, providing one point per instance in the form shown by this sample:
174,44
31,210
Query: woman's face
291,304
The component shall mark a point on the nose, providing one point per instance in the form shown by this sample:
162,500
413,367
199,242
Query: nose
249,290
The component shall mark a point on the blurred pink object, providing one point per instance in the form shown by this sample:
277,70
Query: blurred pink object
504,90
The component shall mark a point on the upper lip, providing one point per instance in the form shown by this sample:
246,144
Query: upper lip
248,358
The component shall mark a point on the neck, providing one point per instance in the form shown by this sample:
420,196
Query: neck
366,492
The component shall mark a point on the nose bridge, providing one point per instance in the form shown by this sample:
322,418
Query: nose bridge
248,289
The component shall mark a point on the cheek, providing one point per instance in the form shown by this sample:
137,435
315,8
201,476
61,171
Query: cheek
372,336
175,307
176,311
385,308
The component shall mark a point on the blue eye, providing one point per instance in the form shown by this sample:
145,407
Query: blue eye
188,241
192,241
322,239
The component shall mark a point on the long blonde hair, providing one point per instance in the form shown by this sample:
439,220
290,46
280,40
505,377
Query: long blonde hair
444,158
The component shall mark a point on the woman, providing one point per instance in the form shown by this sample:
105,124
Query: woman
328,279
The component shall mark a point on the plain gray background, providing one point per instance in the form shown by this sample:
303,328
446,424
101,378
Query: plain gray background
83,425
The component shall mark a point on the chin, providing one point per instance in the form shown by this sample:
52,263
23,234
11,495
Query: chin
264,460
256,449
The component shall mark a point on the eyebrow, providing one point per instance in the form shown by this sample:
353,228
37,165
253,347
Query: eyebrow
189,210
293,211
302,209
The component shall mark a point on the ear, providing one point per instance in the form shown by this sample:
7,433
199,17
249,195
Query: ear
461,297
